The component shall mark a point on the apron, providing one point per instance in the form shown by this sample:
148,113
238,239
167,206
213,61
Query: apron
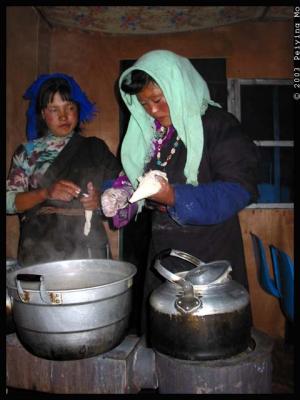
54,237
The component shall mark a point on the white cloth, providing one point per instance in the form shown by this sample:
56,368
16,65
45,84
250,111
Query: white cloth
87,226
148,185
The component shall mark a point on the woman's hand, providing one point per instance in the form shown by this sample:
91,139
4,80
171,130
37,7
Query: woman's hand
63,190
112,200
165,195
91,201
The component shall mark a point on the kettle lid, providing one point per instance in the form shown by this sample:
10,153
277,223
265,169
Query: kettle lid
209,273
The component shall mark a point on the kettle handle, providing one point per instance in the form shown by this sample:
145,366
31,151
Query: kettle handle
188,302
168,274
181,254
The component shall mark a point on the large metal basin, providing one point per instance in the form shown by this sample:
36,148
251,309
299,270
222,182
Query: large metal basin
72,309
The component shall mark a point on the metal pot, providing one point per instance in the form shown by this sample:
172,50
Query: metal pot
73,309
11,265
200,314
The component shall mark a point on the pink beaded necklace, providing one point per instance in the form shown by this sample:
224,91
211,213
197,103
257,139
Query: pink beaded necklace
162,137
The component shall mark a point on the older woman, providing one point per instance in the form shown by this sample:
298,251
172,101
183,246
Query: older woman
210,164
54,180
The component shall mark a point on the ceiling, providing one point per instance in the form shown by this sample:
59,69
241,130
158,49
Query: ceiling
156,19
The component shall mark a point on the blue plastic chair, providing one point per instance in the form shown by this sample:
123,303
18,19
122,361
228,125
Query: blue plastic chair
264,278
284,270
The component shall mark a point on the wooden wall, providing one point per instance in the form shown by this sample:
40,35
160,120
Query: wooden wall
27,55
252,50
276,227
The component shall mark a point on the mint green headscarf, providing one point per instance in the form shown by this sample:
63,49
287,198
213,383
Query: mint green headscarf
187,96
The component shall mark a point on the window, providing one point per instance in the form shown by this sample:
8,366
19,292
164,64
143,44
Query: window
265,109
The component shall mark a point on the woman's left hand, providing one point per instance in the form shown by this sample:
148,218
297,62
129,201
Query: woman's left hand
165,195
91,201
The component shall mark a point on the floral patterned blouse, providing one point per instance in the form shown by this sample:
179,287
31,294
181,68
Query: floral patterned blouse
29,163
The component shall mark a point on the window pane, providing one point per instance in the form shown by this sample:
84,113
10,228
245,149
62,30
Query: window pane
257,111
262,106
276,175
286,112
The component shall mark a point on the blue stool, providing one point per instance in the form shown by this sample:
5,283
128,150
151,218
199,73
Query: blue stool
264,278
284,270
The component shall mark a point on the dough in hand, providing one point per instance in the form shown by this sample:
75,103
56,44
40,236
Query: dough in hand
148,185
87,226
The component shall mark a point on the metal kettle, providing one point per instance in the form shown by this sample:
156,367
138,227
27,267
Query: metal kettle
200,314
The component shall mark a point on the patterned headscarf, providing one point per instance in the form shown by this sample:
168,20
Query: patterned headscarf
187,96
87,109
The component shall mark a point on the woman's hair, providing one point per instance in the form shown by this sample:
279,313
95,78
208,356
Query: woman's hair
139,79
45,96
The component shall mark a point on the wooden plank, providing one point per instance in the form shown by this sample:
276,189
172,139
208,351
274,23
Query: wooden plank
273,226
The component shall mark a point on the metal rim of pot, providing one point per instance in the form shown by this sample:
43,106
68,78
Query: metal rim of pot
34,287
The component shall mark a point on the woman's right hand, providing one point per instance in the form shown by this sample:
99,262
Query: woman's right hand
63,190
112,200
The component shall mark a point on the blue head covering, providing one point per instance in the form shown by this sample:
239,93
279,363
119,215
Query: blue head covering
87,109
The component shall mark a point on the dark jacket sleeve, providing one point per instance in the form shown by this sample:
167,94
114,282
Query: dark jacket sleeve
233,169
209,203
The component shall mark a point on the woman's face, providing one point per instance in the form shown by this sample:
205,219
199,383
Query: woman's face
61,116
153,100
